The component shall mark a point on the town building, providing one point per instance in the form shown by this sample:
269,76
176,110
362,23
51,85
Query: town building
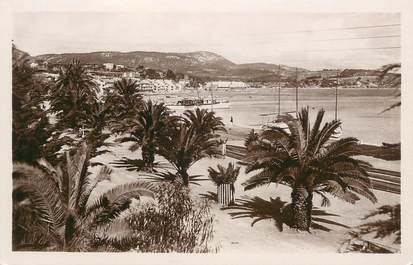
226,85
159,86
109,66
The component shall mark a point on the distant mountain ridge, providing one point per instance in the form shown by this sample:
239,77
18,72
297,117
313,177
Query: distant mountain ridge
200,63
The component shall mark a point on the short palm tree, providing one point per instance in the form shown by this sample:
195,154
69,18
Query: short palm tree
304,160
58,201
146,130
186,145
224,176
73,96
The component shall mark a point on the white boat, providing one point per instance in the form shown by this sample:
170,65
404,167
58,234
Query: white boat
277,122
206,103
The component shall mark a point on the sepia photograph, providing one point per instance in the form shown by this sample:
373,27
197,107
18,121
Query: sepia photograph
206,132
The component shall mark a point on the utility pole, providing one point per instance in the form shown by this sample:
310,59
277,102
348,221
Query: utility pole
296,90
279,88
336,107
212,98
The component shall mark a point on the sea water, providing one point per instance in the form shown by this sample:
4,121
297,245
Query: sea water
360,110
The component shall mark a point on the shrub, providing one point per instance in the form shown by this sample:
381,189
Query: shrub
173,223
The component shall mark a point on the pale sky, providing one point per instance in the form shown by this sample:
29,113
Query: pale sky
306,40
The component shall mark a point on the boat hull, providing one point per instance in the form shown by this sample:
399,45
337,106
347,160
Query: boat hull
222,105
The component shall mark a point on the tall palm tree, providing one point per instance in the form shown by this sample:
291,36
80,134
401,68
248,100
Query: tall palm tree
204,121
58,200
146,130
304,160
186,144
73,96
123,99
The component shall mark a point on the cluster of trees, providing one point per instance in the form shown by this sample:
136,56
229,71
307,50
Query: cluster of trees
149,73
53,206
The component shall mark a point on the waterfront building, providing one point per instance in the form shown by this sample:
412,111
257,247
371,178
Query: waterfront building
159,86
226,85
109,66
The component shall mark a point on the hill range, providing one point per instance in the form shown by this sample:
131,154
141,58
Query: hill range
201,64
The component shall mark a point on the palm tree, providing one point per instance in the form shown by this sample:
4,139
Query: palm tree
251,138
124,99
73,96
146,130
224,176
186,144
204,121
304,160
58,201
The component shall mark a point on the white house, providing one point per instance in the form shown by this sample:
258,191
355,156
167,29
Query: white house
159,86
34,65
130,75
226,85
109,66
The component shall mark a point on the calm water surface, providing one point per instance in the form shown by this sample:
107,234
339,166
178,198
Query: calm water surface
358,109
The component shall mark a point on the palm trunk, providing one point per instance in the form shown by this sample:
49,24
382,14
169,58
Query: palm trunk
148,156
185,177
299,209
309,206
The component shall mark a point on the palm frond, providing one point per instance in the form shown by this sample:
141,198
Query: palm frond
113,202
43,193
224,175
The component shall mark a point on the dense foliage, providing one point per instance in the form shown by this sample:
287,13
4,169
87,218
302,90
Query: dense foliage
52,207
172,222
31,127
123,100
73,97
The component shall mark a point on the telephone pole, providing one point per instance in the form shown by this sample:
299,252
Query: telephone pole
279,88
296,90
336,92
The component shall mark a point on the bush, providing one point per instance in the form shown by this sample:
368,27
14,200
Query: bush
173,223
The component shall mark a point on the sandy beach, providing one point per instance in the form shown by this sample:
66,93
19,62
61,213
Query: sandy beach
237,235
